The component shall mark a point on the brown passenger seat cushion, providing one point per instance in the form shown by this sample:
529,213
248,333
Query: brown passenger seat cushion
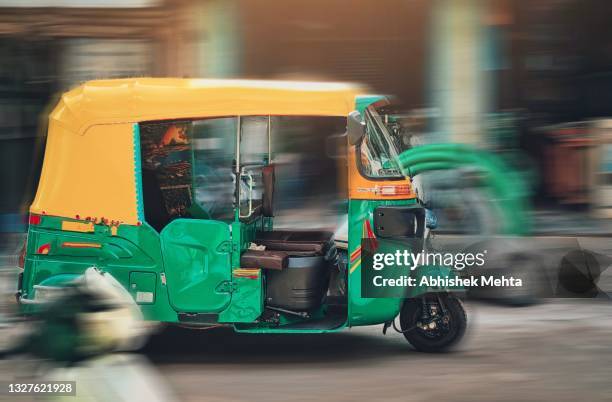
290,240
265,259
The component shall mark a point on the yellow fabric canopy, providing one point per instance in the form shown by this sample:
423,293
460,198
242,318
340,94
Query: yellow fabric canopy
91,159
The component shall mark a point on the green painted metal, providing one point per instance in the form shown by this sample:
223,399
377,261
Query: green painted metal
132,249
138,173
366,311
363,101
142,287
138,250
247,301
59,280
197,254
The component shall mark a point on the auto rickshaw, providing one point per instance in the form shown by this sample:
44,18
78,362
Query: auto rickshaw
123,189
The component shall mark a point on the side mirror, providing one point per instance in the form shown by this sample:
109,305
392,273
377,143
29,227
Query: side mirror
356,128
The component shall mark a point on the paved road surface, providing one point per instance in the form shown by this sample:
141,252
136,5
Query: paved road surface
558,351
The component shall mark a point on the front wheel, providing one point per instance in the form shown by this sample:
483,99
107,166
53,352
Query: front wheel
433,323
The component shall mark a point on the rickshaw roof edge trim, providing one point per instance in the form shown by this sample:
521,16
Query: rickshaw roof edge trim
133,100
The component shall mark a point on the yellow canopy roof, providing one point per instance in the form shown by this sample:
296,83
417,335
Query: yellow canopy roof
91,166
145,99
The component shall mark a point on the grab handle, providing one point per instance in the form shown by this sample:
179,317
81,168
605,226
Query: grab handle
249,176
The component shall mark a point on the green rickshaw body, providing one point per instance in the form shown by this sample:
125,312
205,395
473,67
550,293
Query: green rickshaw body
190,272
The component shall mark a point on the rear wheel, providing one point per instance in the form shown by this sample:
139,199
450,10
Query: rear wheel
433,323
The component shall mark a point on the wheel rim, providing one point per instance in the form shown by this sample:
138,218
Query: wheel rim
438,325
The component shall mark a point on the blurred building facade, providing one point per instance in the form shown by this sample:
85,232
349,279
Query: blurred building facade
47,47
475,65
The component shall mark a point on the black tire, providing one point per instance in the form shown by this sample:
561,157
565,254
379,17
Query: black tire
441,341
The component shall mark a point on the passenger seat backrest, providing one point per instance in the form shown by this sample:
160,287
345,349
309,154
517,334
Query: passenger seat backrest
268,179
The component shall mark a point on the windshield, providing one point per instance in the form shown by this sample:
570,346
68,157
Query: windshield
379,152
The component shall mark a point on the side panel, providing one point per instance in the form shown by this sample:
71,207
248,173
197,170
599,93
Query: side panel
247,300
142,287
366,311
364,196
60,249
197,259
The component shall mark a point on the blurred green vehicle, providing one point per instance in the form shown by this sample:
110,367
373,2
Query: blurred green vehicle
127,187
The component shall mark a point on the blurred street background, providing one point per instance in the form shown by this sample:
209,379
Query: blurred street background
528,80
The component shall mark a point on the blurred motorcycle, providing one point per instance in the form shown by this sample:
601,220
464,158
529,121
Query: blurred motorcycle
83,335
